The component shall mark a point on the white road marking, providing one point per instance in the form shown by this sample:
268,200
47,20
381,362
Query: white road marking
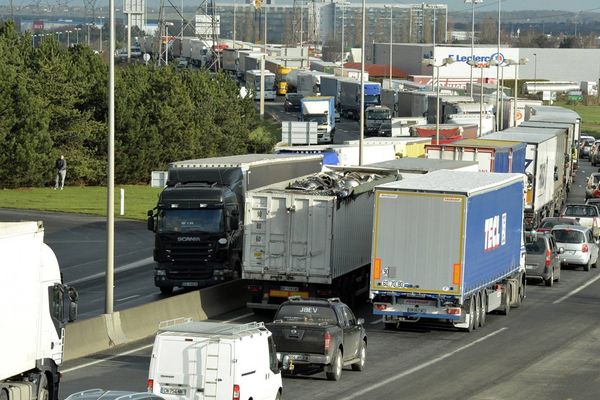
129,298
126,267
376,321
64,371
135,350
420,367
579,289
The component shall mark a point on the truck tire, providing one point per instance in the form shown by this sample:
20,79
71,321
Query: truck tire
520,294
506,299
550,281
3,394
362,355
166,290
470,313
483,314
477,314
334,371
279,395
43,391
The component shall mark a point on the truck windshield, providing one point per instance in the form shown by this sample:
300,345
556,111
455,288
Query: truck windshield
204,220
371,98
378,114
306,313
318,120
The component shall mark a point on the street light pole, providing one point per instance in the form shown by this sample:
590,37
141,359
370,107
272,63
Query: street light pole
498,70
481,66
522,61
343,24
431,62
68,39
472,37
362,88
391,33
535,67
234,21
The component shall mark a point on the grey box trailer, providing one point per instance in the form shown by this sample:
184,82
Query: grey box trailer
310,237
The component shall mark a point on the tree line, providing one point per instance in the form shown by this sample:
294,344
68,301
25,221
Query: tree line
55,101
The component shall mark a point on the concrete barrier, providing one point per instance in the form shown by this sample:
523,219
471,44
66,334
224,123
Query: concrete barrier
105,331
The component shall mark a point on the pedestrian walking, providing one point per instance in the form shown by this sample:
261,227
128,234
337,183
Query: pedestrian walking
61,172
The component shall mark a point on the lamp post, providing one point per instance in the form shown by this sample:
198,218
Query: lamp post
110,193
431,62
68,39
77,34
481,66
234,21
343,24
58,35
535,67
498,68
167,25
391,38
473,2
362,87
522,61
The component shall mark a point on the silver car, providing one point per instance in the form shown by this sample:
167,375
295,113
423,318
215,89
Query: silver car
579,245
542,258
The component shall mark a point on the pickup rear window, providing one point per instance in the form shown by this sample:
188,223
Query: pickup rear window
306,313
581,211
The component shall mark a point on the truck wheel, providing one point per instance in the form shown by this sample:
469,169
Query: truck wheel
550,281
362,354
166,290
477,313
520,295
3,394
279,396
483,314
43,392
506,299
470,314
334,372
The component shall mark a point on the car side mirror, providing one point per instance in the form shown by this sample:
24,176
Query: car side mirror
360,321
150,223
561,250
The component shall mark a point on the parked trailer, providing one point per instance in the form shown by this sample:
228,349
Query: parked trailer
403,146
350,94
448,132
345,154
413,104
330,86
476,264
491,156
544,159
309,83
309,238
408,167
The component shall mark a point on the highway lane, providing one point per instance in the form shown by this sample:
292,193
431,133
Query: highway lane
546,349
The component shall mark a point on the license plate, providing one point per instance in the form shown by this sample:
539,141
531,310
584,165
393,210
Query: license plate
531,266
189,284
175,391
290,288
415,310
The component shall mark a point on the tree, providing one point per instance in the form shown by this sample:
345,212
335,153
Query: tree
332,50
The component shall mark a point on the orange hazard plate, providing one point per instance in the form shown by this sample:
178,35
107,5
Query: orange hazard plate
287,293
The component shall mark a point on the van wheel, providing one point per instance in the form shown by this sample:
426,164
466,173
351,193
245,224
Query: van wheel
550,281
166,290
335,369
362,354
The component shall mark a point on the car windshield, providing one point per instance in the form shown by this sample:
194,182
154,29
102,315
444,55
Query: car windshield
581,211
551,223
183,221
294,98
535,246
568,236
306,313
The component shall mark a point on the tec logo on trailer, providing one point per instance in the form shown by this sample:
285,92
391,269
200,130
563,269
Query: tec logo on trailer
495,232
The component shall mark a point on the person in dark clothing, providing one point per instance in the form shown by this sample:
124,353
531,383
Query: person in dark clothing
61,172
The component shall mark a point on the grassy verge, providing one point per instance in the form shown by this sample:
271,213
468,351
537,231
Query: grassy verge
85,200
590,117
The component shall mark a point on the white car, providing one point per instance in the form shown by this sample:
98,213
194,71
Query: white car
201,360
586,214
577,244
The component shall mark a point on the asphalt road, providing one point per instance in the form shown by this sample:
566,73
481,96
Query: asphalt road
547,349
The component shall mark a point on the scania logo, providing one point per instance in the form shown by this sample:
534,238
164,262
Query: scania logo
188,239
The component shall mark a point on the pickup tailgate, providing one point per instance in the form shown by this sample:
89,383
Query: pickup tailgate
300,338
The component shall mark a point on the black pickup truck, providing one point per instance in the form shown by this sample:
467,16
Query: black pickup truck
318,333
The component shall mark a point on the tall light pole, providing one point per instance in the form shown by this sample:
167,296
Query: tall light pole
431,62
77,34
498,69
167,25
481,66
234,21
362,87
68,39
265,8
110,197
535,67
343,25
391,38
522,61
473,2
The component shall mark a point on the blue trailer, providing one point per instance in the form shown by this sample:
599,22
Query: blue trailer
491,155
349,96
448,246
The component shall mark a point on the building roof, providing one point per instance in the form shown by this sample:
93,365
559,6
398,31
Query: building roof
378,70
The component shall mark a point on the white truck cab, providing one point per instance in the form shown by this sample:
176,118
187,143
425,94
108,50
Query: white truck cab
209,360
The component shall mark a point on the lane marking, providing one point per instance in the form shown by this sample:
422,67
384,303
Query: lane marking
420,367
376,322
575,291
124,268
129,297
135,350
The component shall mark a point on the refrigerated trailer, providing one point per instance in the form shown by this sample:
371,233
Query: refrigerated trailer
310,238
448,246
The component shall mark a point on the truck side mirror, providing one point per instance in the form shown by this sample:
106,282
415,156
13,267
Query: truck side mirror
234,223
72,312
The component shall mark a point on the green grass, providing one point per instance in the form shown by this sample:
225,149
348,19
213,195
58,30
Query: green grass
85,200
590,117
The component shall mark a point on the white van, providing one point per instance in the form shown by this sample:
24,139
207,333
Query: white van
210,360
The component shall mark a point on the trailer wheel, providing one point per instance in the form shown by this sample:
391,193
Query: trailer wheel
477,312
3,394
520,294
483,314
506,299
470,314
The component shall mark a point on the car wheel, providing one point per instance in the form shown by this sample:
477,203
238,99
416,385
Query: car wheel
335,369
550,281
595,265
362,354
587,266
557,278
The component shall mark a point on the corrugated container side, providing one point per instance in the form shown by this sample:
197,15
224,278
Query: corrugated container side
494,229
352,233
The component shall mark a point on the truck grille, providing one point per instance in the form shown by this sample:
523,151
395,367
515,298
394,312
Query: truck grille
191,252
191,273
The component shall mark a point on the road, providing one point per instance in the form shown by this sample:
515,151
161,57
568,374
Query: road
546,349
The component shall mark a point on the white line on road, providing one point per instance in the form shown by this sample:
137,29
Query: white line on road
376,321
420,367
124,268
134,350
579,289
129,297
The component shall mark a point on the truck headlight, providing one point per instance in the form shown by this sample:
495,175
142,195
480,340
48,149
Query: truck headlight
160,272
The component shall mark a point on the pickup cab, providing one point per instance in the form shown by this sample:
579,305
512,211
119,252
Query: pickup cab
318,333
586,214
